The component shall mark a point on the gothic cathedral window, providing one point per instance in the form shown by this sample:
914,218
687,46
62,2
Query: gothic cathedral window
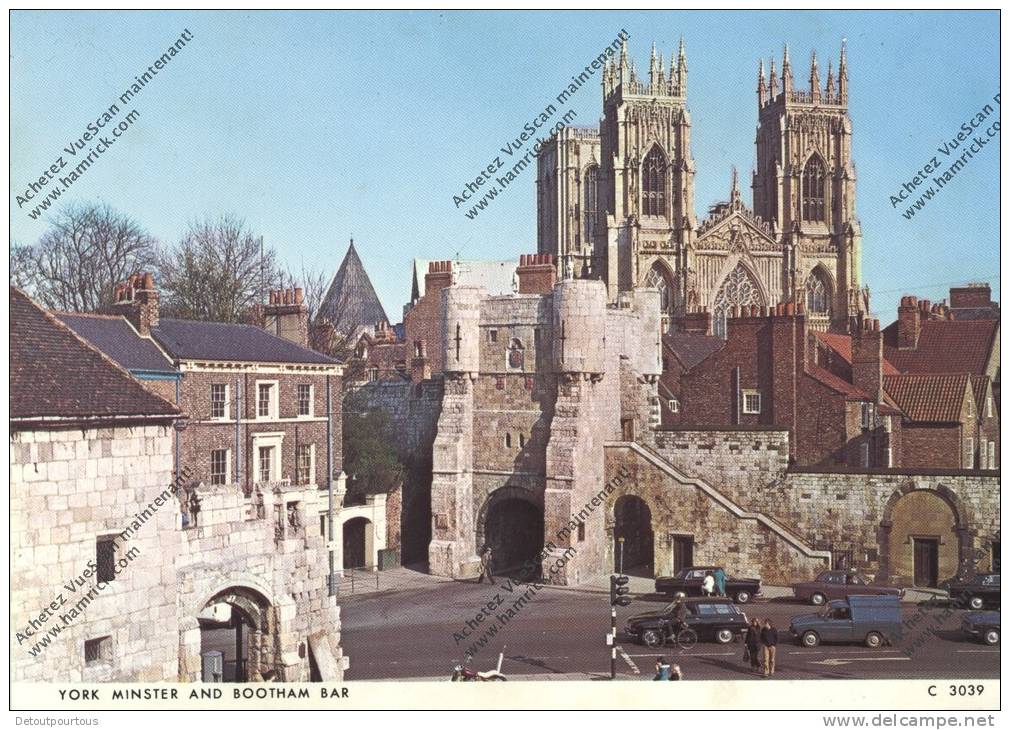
817,295
813,189
589,204
738,290
656,280
654,183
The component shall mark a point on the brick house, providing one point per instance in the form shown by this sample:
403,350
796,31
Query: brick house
766,374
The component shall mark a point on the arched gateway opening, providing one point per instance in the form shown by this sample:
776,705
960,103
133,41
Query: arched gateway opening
514,530
357,542
236,622
633,523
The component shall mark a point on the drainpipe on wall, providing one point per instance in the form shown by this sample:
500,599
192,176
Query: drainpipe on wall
329,486
238,432
178,434
736,396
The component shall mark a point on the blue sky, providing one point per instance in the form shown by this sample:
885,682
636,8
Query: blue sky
316,126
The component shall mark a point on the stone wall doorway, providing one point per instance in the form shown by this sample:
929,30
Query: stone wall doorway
237,622
357,542
514,530
633,523
922,538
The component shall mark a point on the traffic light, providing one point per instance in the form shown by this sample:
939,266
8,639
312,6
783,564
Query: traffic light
619,590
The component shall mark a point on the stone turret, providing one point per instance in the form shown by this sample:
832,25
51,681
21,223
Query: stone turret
461,328
579,306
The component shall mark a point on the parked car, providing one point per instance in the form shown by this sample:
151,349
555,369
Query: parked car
982,625
832,584
713,619
979,591
687,582
872,620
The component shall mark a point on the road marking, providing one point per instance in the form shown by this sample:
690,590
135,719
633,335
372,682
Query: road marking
978,651
689,654
624,655
873,651
839,662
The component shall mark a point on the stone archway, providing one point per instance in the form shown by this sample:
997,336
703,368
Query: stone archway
512,525
633,523
924,537
357,542
246,635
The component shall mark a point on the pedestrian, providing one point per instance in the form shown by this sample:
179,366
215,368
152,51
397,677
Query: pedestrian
675,674
708,584
769,640
720,582
485,566
752,645
662,670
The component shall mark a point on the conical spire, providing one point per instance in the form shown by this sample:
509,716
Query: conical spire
815,78
662,72
634,73
734,190
624,55
762,86
829,87
773,82
787,71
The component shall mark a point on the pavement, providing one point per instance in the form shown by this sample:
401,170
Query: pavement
416,626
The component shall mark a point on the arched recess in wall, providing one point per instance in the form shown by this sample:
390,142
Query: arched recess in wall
740,288
819,291
924,537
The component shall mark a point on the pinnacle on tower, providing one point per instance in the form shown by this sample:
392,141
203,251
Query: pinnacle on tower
762,86
634,73
815,78
624,56
773,81
734,191
787,71
829,87
681,68
662,72
843,77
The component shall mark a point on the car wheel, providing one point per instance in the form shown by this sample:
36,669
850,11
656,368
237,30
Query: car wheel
653,638
742,597
991,637
874,640
723,636
817,599
810,639
975,602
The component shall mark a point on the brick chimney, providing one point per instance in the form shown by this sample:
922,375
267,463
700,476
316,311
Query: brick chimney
286,315
698,322
868,358
439,277
971,296
137,300
420,363
909,323
536,273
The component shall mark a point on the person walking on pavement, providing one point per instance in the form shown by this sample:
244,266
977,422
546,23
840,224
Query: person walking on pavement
752,642
485,566
720,582
662,670
708,584
769,640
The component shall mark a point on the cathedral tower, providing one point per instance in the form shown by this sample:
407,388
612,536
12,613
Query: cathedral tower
646,177
804,186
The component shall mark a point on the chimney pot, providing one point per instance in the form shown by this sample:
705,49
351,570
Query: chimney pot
790,309
298,295
149,281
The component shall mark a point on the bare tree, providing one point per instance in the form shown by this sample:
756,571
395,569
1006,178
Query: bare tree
313,283
23,268
88,249
217,272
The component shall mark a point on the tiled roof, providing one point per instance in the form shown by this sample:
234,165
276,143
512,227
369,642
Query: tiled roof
350,301
979,387
189,340
56,374
946,346
835,383
691,348
928,398
842,345
116,337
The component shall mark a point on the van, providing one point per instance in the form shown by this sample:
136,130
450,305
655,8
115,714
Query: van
872,620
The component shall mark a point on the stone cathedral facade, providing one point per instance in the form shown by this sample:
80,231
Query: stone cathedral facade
617,203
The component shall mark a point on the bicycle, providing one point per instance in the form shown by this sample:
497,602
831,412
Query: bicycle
682,640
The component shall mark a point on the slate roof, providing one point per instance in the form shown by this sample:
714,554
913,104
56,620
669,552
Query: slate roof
350,301
116,337
842,345
945,346
928,397
185,339
691,348
56,374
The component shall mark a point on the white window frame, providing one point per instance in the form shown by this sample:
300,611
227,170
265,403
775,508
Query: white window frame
312,400
971,408
268,440
227,465
673,404
864,455
312,463
866,415
890,457
988,406
969,444
744,395
227,403
992,454
887,424
273,406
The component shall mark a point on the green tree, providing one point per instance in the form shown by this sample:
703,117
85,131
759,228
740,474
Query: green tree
371,460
